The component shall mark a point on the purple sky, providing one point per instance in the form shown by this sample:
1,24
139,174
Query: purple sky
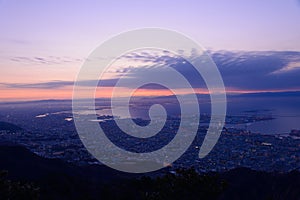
65,26
44,41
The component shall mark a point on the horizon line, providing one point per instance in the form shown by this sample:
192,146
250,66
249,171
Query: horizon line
232,94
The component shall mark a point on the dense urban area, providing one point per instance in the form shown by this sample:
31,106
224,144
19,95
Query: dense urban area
55,136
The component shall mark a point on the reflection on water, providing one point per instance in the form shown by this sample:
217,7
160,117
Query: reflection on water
284,111
279,125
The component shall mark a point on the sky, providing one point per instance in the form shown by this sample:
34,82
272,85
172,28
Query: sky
44,43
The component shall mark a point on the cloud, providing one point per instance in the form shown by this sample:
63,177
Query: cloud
290,67
262,70
57,84
49,60
248,71
44,85
258,70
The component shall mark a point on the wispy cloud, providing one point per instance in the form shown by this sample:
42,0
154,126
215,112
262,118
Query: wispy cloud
49,60
44,85
291,67
57,84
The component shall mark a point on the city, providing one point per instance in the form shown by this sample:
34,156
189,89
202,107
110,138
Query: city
235,148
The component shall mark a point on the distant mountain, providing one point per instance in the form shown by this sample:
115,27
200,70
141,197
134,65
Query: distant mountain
40,102
267,94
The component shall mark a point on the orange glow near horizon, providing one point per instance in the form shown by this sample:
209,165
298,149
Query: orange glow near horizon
24,94
34,94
